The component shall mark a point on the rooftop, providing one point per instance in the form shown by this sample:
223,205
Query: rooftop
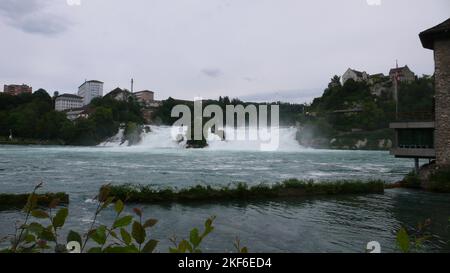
144,91
358,73
399,69
116,91
441,31
70,96
93,81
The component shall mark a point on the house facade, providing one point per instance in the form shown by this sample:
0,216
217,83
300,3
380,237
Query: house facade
355,75
89,90
68,101
15,89
75,114
145,97
402,74
119,94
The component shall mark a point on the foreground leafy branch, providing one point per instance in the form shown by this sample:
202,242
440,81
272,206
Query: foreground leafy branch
127,233
414,240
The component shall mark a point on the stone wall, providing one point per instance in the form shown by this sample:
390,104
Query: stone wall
442,75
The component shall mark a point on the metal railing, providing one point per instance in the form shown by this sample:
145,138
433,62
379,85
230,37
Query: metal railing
414,116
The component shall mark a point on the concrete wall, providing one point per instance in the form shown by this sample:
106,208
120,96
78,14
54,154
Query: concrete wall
442,79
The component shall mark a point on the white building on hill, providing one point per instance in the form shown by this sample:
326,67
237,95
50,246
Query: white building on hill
68,101
89,90
355,75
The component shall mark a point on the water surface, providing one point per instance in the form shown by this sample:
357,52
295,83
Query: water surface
323,224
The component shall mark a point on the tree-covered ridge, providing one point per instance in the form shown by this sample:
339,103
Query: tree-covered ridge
32,116
289,112
352,111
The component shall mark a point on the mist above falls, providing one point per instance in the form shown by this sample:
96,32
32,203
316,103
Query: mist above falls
236,139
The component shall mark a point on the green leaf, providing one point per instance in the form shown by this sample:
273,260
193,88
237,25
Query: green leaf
150,223
35,227
126,237
208,226
104,193
47,235
150,246
209,221
31,202
138,232
99,235
30,238
60,217
113,234
403,240
124,221
173,250
119,206
184,246
195,238
244,250
74,237
39,214
207,231
107,202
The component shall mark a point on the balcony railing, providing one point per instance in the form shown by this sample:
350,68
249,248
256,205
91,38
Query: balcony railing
414,116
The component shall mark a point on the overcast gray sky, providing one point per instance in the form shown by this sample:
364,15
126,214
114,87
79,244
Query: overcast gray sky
253,49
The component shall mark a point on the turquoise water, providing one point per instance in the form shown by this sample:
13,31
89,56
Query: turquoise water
324,224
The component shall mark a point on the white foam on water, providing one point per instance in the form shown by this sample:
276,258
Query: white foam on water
115,141
283,140
164,137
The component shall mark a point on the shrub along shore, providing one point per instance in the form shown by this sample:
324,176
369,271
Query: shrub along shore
10,200
145,194
290,188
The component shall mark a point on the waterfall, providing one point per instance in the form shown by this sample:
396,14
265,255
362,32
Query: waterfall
164,137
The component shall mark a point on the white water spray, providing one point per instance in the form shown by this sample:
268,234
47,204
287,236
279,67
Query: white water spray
166,137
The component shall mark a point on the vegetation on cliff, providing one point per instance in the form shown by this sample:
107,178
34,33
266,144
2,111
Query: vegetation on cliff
352,113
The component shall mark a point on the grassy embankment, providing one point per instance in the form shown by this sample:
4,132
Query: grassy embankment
19,200
289,188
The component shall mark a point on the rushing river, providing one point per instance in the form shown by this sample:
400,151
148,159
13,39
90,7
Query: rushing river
320,224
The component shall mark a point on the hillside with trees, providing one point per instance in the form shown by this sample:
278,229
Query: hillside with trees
31,118
350,116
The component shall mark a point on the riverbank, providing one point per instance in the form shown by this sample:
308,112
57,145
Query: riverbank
17,141
242,191
131,193
10,201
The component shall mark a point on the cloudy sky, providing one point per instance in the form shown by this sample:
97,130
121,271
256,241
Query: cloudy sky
252,49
